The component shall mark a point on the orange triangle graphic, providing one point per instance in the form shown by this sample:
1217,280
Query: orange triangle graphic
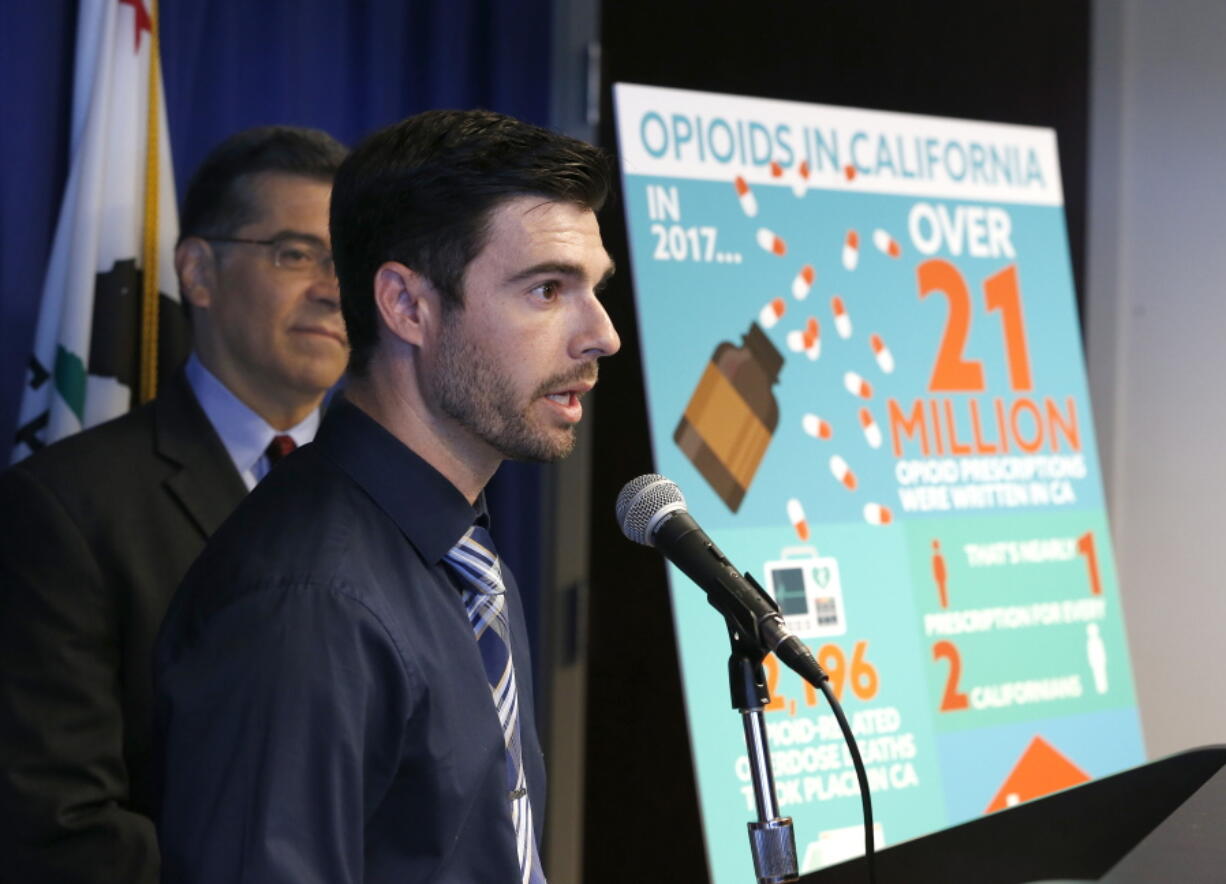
1040,771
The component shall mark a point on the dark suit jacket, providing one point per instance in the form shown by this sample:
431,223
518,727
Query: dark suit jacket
96,532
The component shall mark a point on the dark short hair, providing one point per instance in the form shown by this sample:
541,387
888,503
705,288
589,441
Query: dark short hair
422,191
218,199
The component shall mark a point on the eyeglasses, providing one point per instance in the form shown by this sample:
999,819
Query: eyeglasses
291,253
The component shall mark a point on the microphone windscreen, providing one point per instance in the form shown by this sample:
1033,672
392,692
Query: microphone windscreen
644,502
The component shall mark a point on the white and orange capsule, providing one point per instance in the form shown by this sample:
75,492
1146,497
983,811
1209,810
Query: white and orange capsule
851,250
876,514
796,515
872,432
749,202
841,471
803,282
776,170
806,340
769,315
816,427
801,184
813,339
886,244
842,321
885,359
771,243
857,386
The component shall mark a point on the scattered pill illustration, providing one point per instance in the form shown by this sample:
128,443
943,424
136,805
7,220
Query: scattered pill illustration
876,514
857,386
886,244
749,202
801,184
771,243
851,250
842,321
803,282
872,432
885,359
813,339
769,315
816,427
796,514
841,471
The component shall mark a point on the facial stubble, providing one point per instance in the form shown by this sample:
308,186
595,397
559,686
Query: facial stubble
471,388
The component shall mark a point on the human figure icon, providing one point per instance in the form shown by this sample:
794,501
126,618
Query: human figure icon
1096,653
939,573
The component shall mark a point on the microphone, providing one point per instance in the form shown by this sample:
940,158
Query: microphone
651,511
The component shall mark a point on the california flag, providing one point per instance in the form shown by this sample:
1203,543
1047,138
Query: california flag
109,323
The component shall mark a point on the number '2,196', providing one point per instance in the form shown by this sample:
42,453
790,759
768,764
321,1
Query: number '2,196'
861,675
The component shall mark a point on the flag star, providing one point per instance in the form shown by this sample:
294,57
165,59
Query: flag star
143,21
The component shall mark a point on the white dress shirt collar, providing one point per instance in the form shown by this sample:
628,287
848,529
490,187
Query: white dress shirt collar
243,432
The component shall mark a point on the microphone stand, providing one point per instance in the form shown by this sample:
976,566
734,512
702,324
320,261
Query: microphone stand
771,840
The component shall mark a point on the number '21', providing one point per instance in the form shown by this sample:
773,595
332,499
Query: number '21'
952,372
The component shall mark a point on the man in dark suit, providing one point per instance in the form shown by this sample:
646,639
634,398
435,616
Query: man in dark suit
97,530
343,684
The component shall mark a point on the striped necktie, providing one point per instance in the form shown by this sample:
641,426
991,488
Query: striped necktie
475,559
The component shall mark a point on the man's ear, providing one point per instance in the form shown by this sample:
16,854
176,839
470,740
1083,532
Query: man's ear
197,272
406,301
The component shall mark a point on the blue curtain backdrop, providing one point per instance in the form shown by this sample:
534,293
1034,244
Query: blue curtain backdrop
346,66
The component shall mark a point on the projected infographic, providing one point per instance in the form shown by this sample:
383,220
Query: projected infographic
864,370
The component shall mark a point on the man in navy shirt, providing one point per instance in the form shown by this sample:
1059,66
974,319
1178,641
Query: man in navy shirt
343,683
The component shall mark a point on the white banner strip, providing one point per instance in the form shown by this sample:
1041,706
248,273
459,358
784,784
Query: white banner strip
702,135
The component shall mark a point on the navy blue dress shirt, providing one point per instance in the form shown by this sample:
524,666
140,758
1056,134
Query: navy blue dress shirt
322,712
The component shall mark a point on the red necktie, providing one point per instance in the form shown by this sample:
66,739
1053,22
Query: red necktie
279,447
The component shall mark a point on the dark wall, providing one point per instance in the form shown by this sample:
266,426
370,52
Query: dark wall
1004,61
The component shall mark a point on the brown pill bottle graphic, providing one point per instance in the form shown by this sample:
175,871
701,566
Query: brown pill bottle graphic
732,415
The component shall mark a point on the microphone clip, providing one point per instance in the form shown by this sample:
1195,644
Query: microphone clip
745,673
746,633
